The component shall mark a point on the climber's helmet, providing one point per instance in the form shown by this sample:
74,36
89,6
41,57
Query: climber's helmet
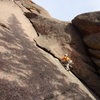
66,55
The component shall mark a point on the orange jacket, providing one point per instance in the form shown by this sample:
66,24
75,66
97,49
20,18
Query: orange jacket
65,59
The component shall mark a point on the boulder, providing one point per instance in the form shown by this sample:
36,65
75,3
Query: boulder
95,53
88,23
93,41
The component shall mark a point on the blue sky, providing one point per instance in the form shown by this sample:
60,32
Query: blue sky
67,9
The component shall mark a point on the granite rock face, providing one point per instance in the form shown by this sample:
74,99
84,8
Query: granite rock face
31,43
59,38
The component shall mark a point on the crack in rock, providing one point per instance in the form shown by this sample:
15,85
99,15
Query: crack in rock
46,50
1,24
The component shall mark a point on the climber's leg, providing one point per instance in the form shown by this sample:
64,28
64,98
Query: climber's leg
68,67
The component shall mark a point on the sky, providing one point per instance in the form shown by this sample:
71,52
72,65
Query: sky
66,10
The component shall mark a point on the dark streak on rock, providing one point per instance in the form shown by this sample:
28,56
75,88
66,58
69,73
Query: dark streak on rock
1,24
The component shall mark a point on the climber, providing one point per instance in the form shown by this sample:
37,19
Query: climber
66,61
